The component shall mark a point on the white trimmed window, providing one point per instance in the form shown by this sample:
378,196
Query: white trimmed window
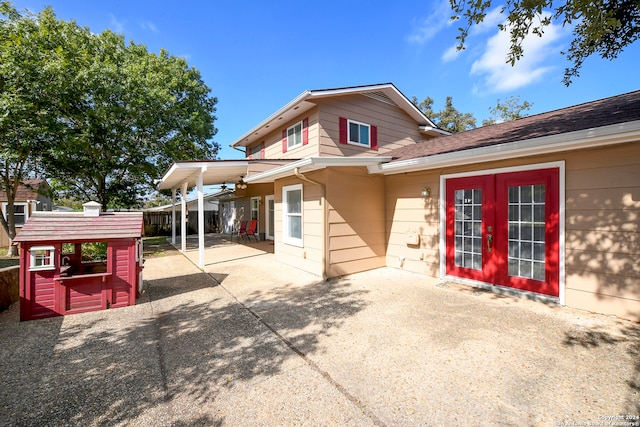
294,135
42,258
292,214
359,133
20,213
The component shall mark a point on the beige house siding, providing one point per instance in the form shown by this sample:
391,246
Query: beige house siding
273,140
603,230
356,221
395,127
262,166
602,225
309,256
408,212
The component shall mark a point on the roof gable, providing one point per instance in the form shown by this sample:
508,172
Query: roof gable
304,102
609,111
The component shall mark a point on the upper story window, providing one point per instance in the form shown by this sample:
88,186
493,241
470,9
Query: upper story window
359,133
296,135
20,213
256,152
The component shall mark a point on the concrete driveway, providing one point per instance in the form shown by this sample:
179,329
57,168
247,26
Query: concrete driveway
253,342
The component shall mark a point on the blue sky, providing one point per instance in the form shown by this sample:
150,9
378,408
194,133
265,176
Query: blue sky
256,55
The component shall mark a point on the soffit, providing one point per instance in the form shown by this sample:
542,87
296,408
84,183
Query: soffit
213,172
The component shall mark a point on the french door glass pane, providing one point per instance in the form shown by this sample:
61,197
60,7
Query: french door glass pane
526,231
468,228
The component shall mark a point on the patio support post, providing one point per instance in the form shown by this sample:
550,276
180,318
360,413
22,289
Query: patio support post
183,227
173,216
201,219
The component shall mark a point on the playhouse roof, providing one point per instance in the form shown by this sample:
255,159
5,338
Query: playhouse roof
70,226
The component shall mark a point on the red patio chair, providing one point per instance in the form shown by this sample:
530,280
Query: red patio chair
251,229
243,230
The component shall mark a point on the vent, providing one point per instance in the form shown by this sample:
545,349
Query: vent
380,96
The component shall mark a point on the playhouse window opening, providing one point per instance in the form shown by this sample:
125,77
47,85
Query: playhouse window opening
42,258
94,252
68,249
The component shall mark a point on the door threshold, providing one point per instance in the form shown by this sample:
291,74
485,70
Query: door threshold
501,290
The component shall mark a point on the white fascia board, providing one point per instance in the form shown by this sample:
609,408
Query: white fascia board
314,163
433,131
578,140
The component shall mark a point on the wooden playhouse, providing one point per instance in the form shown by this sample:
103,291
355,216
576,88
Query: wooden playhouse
79,261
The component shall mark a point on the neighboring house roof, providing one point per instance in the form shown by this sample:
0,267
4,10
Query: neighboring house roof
69,226
385,92
27,190
191,200
604,112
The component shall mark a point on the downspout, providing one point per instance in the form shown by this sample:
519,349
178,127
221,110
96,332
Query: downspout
325,221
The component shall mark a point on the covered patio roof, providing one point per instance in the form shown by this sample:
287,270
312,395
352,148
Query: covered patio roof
213,172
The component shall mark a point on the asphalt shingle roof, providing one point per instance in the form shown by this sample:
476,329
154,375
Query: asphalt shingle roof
609,111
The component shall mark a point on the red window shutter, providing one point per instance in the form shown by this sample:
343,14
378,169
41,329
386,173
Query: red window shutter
374,138
262,150
284,141
305,131
343,130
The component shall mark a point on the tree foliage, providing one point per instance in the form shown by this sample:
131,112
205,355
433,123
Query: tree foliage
510,109
603,27
129,114
30,81
449,118
101,117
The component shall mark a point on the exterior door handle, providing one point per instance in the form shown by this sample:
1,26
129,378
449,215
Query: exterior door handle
489,241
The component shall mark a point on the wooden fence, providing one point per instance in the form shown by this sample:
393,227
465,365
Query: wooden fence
159,223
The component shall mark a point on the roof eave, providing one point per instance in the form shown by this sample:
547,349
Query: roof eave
314,163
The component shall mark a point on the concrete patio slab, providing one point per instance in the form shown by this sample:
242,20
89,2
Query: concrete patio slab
260,343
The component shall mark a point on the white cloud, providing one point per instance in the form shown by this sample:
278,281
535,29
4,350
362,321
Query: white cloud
500,76
427,28
116,26
489,23
148,25
451,54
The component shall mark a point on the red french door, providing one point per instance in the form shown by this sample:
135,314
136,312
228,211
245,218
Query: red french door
503,229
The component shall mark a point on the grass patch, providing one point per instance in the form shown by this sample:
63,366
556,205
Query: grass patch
155,247
5,261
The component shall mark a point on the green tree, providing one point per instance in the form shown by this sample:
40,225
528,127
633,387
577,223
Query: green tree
510,109
31,78
129,115
449,118
426,106
602,27
452,120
